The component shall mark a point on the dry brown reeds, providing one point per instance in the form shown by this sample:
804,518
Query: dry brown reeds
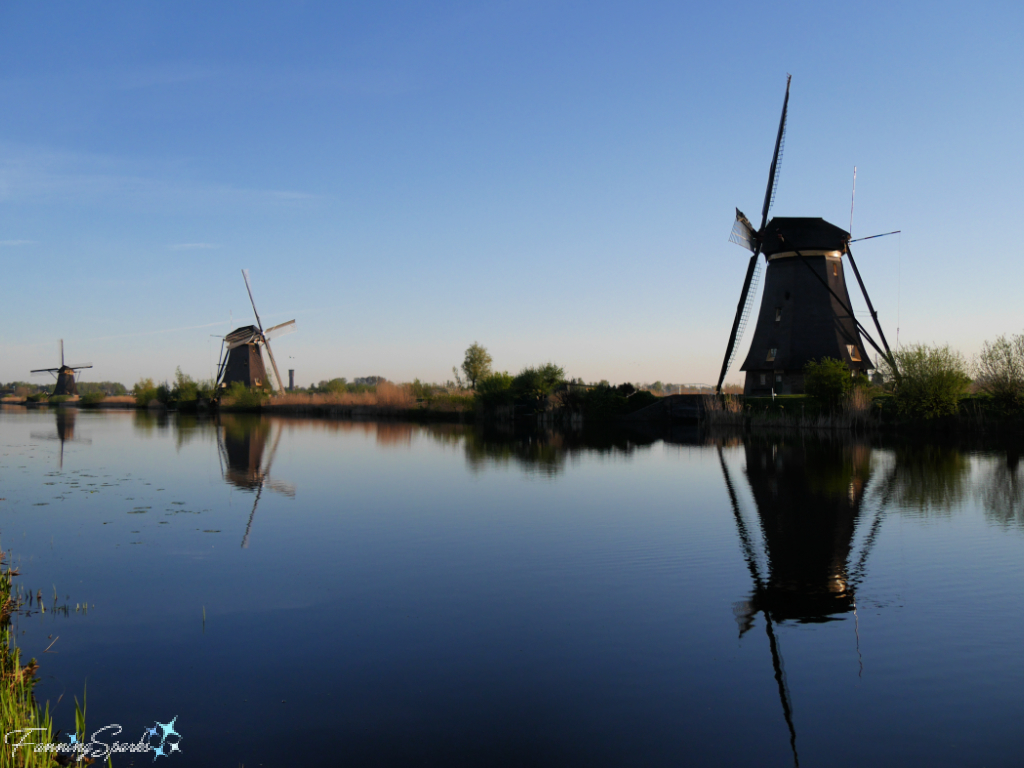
723,410
388,395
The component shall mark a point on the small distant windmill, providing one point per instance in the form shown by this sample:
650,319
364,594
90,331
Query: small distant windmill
242,356
242,442
805,309
65,375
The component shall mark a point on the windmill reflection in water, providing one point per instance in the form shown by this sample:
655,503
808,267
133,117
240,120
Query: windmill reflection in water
65,431
809,496
242,441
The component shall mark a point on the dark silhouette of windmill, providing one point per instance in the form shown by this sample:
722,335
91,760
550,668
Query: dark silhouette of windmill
242,441
805,310
809,500
65,375
242,352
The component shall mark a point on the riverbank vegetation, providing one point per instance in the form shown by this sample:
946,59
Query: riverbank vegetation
18,707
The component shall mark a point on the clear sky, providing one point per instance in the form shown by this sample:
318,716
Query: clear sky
555,180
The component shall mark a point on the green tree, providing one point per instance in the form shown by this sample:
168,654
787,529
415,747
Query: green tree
929,380
828,381
999,371
477,364
537,383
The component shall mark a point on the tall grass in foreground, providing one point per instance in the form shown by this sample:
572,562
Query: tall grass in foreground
18,708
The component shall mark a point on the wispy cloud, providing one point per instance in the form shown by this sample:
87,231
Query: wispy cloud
162,330
10,243
193,246
40,175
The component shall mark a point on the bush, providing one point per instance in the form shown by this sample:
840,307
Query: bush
188,391
57,399
929,381
494,390
92,398
999,371
535,384
828,381
37,397
144,391
241,396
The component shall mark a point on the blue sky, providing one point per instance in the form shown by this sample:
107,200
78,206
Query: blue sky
555,180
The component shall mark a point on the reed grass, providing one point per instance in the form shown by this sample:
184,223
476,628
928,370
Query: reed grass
18,707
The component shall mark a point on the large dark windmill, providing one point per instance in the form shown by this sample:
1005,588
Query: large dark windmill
65,375
242,355
805,310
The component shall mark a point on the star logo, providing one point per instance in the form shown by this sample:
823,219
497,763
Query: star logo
169,739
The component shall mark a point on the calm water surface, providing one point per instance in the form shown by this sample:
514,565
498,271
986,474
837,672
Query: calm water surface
387,594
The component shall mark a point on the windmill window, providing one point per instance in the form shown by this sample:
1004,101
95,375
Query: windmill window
778,378
764,379
854,352
771,354
778,314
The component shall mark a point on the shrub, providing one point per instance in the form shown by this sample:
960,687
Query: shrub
535,384
187,390
92,398
828,381
144,391
929,380
37,397
56,399
241,396
494,390
999,371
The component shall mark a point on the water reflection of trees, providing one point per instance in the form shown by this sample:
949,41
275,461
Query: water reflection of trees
1001,489
542,451
925,478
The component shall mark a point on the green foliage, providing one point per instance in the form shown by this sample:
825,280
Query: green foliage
112,388
332,387
532,385
420,390
57,399
828,381
92,398
37,397
477,364
495,390
144,391
999,371
606,401
186,392
930,381
242,396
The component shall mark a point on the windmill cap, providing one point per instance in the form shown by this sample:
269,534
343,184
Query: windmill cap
783,234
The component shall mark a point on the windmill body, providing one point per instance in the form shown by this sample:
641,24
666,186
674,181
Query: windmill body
801,320
65,375
242,359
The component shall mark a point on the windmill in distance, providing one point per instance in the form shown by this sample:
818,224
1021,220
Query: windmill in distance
65,375
242,356
805,311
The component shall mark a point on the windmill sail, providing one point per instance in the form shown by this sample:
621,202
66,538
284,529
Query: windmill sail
769,196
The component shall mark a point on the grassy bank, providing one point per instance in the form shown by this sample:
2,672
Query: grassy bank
18,707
